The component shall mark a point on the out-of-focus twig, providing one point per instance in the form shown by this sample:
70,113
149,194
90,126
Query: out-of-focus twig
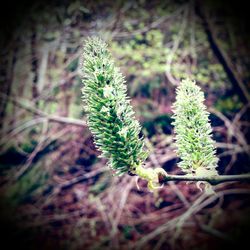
212,180
222,56
175,47
53,118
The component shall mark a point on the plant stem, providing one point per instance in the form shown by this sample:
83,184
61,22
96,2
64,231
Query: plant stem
212,180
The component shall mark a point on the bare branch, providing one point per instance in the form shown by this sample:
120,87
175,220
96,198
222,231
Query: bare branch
212,180
53,118
223,57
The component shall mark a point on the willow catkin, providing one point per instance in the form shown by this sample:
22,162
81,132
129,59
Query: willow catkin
194,142
110,116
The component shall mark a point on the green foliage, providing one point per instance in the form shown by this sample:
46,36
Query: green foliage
193,56
73,65
193,130
110,115
228,104
127,231
145,54
30,184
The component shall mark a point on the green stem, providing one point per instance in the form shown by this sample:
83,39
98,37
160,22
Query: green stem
212,180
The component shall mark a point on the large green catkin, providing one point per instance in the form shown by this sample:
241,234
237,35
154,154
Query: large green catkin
110,116
193,131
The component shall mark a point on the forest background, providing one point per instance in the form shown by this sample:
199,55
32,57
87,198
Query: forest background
55,191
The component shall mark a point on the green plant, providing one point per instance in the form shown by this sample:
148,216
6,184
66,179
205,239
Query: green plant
112,121
111,118
195,146
193,131
110,115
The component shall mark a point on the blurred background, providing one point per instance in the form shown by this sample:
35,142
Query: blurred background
55,191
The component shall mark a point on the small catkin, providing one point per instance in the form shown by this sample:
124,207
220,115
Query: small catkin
110,116
194,142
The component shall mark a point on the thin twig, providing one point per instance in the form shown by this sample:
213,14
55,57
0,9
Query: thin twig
52,118
212,180
222,56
